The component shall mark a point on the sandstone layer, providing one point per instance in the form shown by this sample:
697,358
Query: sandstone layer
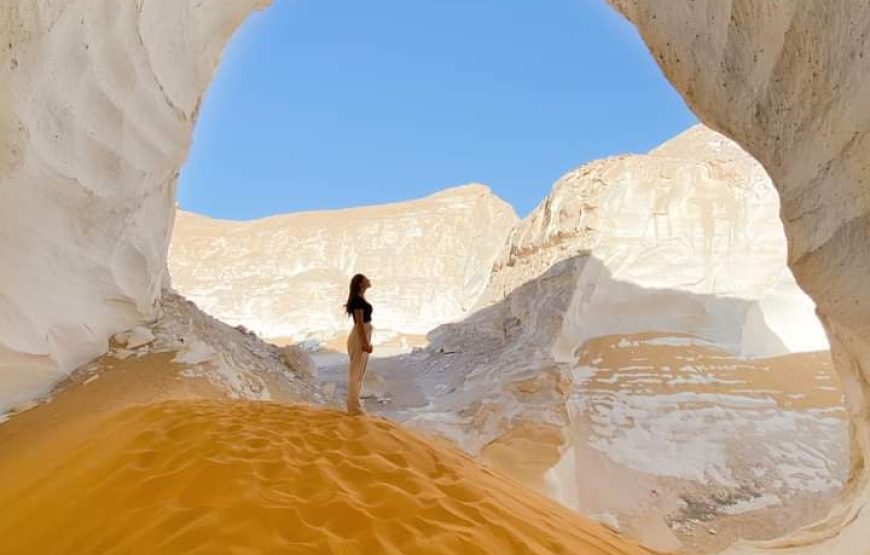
287,276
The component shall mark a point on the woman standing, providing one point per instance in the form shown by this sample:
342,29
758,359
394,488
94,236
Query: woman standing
359,344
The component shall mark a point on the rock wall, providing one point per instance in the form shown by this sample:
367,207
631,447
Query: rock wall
286,276
98,100
696,218
628,427
790,82
664,325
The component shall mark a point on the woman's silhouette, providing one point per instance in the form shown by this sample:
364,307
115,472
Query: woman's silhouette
359,344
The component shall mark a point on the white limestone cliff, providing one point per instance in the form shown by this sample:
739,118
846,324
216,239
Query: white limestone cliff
286,276
636,284
98,101
696,215
790,82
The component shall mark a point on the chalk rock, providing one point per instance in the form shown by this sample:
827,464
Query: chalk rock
122,354
195,352
628,364
287,276
99,100
790,82
298,360
655,534
139,337
690,240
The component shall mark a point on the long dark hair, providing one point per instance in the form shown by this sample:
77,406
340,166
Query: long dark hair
355,290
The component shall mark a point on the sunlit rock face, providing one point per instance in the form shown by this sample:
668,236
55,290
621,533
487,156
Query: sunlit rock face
644,350
690,238
98,100
287,276
790,82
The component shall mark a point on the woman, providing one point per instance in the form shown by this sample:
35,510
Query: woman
359,344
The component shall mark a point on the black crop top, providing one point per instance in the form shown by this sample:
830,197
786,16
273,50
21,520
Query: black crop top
359,303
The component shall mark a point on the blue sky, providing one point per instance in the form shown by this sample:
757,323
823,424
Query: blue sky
322,104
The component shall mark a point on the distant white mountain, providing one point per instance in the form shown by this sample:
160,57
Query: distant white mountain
286,277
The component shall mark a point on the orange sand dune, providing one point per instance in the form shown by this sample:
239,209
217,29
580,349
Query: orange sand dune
243,477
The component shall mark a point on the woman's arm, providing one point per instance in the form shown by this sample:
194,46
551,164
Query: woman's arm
359,327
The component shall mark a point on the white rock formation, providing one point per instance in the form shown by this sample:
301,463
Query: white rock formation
790,82
235,364
98,100
287,276
664,272
697,215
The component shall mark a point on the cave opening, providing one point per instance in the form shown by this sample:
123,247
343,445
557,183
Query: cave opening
701,385
102,100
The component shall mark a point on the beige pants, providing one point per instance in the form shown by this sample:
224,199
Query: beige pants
356,369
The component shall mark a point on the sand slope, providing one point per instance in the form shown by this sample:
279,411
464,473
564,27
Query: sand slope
247,477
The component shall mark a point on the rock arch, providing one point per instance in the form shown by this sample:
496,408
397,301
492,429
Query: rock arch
98,99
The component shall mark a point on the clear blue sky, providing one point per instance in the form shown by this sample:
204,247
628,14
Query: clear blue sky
324,104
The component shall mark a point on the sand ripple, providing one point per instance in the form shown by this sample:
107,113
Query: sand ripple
243,477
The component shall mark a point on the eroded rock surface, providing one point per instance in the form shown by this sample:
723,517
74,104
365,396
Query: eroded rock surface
98,100
790,82
286,276
643,375
689,239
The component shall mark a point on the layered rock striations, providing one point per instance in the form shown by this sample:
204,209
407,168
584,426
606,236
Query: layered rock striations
287,276
696,218
790,82
664,321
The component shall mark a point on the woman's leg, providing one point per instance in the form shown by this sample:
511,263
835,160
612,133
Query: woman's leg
365,359
362,374
356,367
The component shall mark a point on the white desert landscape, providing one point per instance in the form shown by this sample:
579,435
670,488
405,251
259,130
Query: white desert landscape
641,329
285,277
668,355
